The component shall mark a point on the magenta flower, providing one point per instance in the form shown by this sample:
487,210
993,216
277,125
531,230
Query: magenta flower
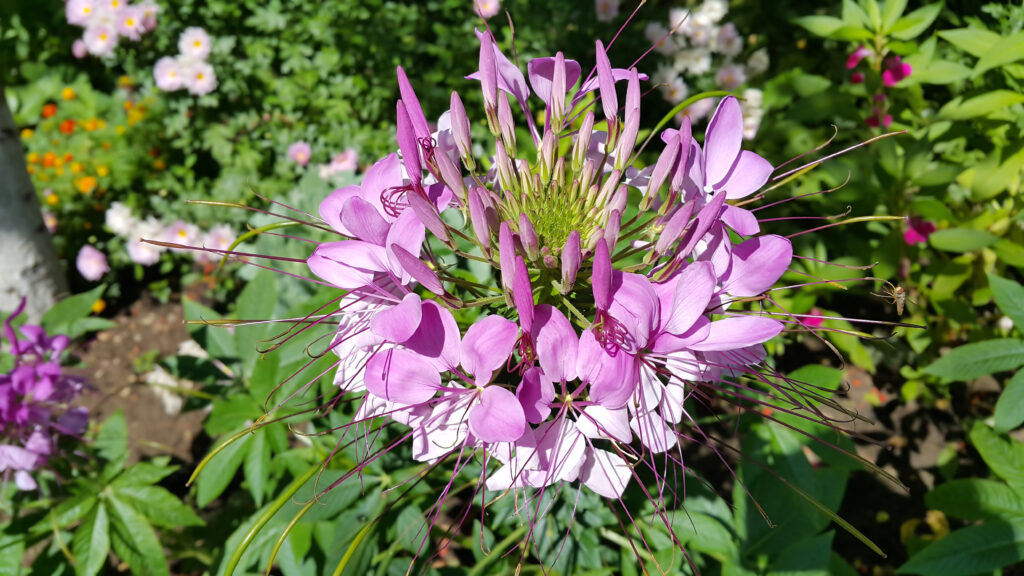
918,230
859,54
91,263
34,398
895,70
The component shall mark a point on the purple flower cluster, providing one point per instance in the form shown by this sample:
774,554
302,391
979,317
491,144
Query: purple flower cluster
574,358
34,396
107,21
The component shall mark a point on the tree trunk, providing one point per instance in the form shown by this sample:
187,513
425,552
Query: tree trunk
28,261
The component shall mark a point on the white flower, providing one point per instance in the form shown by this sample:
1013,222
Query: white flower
91,263
695,61
120,220
729,42
181,232
750,105
606,10
195,43
711,12
758,63
657,34
1005,323
701,34
679,19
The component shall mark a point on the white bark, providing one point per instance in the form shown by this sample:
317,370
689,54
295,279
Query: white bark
28,261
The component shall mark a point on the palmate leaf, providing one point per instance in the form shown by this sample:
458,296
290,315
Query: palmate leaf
91,541
979,359
972,550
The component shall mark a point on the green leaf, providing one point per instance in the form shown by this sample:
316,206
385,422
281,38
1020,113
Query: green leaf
822,26
978,359
1008,49
874,14
804,557
992,175
703,533
91,542
112,438
66,316
975,499
891,12
1009,252
256,302
219,472
135,541
975,41
935,72
854,15
1010,406
971,550
145,473
1004,456
1009,296
257,465
961,240
988,103
159,506
12,549
216,340
914,24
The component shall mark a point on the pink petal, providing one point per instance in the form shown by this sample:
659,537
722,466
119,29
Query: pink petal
605,473
535,394
542,70
497,416
757,264
437,337
416,268
693,289
332,206
407,143
634,304
412,105
738,332
398,323
401,376
386,173
723,141
601,275
612,378
487,346
742,221
556,343
746,177
653,432
561,450
364,222
598,422
522,295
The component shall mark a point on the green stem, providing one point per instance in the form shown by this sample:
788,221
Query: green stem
497,551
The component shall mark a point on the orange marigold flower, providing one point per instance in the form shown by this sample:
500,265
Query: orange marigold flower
49,159
49,110
86,184
99,306
67,127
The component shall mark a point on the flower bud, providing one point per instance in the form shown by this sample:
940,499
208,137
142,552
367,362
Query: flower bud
531,243
666,162
556,105
582,144
461,132
506,124
571,259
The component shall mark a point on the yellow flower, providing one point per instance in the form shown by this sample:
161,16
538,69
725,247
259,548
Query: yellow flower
52,199
32,158
102,170
58,162
31,170
101,124
76,168
135,115
27,133
125,81
68,93
120,130
99,306
59,171
128,105
159,164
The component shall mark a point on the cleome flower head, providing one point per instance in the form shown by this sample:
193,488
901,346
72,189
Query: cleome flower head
554,311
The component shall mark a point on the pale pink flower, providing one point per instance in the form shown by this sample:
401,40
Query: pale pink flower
91,263
300,152
200,79
220,237
100,40
607,10
181,232
168,74
730,77
79,12
130,23
144,253
149,12
50,221
487,8
119,219
195,43
79,49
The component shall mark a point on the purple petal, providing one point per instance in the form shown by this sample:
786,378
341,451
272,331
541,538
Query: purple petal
408,232
437,337
397,323
723,141
497,416
460,125
571,258
364,222
556,343
506,255
385,173
707,216
488,74
478,218
348,264
738,332
487,346
747,176
401,376
689,155
528,236
634,304
605,473
674,227
667,343
509,77
332,207
412,105
612,378
693,289
757,264
741,220
407,143
542,72
601,275
535,394
522,295
662,168
427,213
606,82
416,269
